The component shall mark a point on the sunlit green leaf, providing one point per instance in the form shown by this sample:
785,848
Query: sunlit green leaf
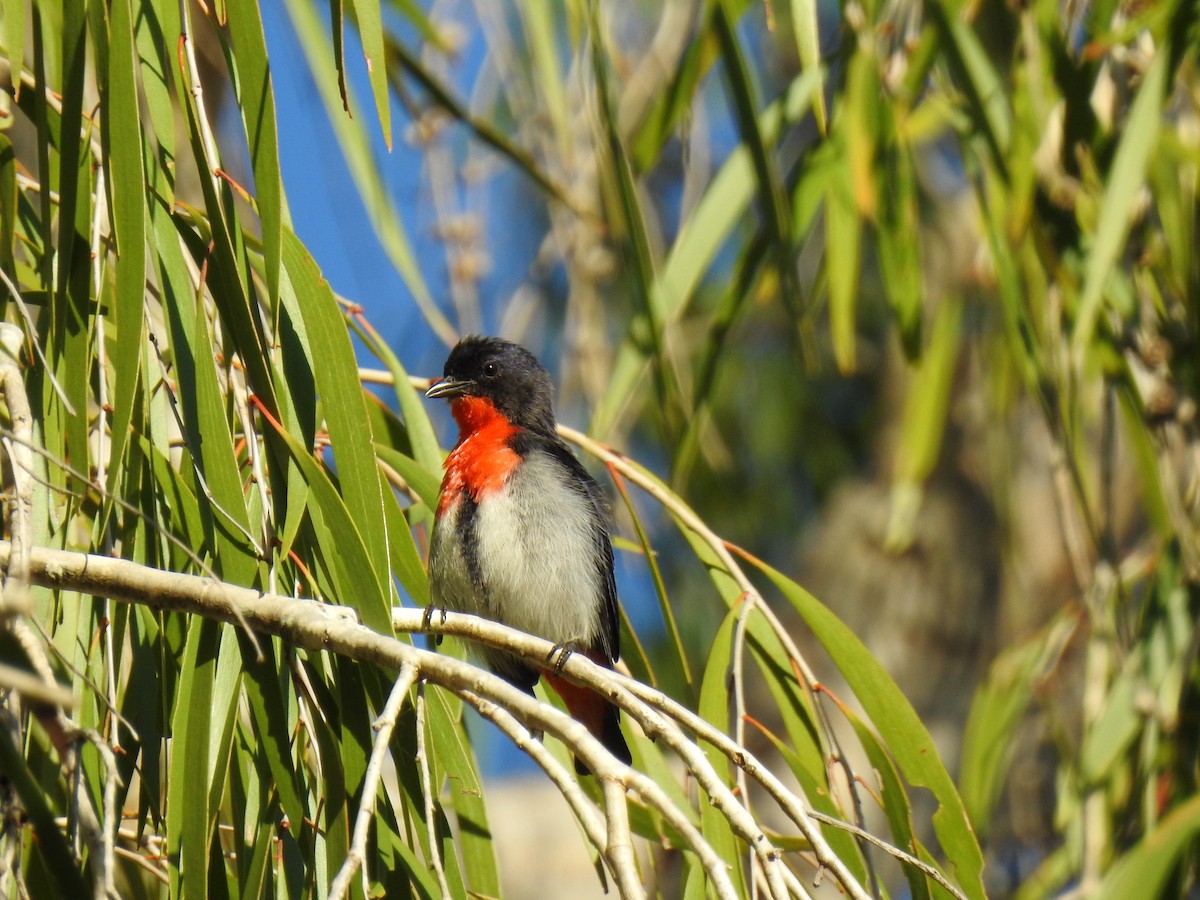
714,706
367,16
843,252
924,421
902,732
806,25
257,103
129,222
14,39
356,149
188,821
1126,177
1145,871
342,400
977,78
999,706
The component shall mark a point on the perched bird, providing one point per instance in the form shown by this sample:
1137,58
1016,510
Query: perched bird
519,536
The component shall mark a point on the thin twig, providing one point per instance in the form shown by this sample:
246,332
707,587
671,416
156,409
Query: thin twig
191,76
384,725
191,444
68,407
138,860
796,809
254,452
643,786
52,99
106,882
891,850
739,818
1062,477
617,688
14,599
653,796
581,807
427,789
306,706
33,688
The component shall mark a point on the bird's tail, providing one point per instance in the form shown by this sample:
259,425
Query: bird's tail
601,717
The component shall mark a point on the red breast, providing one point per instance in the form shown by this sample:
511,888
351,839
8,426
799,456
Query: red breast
482,460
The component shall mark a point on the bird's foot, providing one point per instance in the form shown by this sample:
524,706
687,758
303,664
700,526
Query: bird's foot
427,620
559,654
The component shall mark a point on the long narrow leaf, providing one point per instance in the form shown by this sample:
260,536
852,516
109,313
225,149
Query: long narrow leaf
13,35
188,833
129,221
370,32
1146,870
341,543
1125,179
257,103
903,733
714,707
342,401
356,150
806,26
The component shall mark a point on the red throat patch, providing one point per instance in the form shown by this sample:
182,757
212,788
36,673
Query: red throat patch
482,460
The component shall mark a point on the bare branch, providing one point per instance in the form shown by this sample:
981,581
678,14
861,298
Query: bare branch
315,626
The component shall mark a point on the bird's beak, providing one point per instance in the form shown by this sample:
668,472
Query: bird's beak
448,387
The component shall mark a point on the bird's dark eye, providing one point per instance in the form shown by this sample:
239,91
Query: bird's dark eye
490,370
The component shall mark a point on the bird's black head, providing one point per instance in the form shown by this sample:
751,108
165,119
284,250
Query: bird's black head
506,374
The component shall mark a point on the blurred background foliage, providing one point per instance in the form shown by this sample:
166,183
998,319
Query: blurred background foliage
900,297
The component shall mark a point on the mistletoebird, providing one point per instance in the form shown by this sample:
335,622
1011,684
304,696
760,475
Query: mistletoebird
519,535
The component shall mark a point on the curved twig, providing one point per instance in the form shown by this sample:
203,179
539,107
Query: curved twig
891,850
384,725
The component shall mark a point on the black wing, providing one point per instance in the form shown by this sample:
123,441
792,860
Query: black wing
610,624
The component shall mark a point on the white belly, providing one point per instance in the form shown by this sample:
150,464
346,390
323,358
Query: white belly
535,559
